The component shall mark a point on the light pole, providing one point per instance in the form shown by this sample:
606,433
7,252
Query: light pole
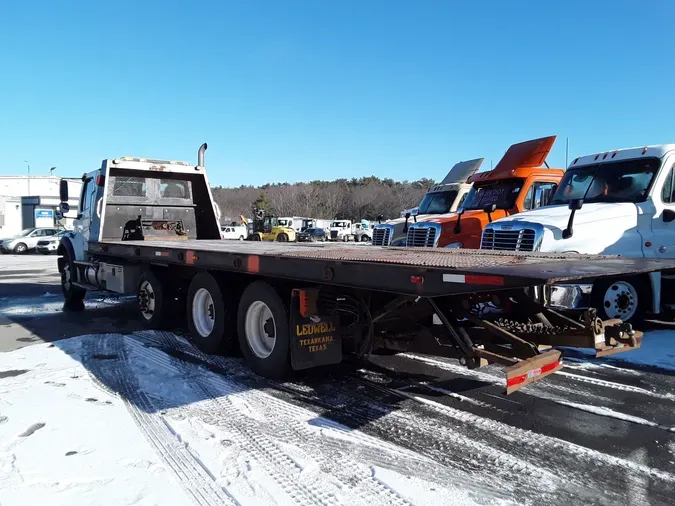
51,171
28,177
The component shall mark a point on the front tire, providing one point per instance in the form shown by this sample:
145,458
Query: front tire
256,237
282,238
365,238
73,295
20,248
207,315
264,336
627,299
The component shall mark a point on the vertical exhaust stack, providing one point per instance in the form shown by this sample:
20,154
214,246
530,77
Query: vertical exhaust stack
200,154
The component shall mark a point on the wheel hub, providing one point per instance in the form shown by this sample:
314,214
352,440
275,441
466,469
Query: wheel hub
260,329
621,300
203,312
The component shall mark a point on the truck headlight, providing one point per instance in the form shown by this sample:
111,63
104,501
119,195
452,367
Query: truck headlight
454,245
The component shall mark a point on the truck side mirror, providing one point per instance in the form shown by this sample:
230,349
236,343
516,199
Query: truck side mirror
380,217
575,204
63,190
64,207
405,227
489,209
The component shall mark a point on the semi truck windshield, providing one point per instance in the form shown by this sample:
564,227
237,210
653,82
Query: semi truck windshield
626,181
438,202
503,194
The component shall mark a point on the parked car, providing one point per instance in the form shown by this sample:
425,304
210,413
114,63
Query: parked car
234,232
47,246
26,240
312,235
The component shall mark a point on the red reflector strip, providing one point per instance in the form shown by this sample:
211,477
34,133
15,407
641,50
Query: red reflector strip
417,279
191,258
161,253
253,264
471,279
532,373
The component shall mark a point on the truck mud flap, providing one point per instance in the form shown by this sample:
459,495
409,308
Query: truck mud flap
315,339
532,369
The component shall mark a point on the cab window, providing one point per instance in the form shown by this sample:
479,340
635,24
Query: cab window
538,195
85,201
668,193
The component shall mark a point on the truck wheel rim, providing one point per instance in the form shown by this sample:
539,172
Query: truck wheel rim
20,248
621,300
146,300
260,329
203,312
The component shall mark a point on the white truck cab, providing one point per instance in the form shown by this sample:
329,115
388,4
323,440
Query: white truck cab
340,230
297,223
619,202
443,198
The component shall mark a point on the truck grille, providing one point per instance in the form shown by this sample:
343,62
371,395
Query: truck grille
421,237
381,237
510,240
333,234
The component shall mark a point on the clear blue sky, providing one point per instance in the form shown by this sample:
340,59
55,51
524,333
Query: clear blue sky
299,90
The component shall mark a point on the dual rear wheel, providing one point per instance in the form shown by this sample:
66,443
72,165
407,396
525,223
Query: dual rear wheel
259,326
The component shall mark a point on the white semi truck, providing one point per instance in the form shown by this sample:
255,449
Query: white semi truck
619,202
340,230
443,198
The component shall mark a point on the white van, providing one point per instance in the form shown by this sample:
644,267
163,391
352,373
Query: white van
234,232
618,202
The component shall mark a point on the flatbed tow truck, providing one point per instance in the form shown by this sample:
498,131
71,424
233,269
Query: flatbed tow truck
149,227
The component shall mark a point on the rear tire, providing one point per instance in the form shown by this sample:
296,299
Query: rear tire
628,299
208,316
264,336
152,305
73,295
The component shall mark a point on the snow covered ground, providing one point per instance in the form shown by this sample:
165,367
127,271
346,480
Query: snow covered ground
111,419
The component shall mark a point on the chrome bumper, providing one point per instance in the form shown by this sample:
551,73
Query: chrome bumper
564,296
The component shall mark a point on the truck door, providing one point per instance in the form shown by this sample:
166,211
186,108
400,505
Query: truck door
84,211
663,220
538,194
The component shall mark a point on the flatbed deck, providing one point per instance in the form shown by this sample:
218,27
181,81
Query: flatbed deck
421,271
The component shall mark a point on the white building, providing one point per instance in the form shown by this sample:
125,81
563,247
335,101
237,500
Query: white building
33,201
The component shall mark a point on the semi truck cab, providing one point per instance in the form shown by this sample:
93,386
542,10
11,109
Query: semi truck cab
516,184
443,198
619,202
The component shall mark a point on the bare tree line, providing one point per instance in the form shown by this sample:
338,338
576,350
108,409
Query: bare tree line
365,198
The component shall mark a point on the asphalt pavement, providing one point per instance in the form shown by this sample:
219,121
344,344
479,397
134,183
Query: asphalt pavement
607,427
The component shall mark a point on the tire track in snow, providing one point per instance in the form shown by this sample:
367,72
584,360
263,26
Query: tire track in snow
106,359
289,430
528,464
331,450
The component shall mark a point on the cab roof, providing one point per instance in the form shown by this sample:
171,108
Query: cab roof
615,155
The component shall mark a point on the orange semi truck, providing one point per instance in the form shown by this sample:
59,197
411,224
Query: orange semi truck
518,183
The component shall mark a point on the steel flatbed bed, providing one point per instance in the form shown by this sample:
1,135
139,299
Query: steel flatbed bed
427,272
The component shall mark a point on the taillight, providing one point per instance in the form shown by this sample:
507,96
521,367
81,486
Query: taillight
100,180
